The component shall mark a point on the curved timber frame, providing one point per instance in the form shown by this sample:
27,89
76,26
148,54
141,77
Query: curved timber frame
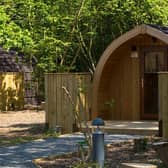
112,48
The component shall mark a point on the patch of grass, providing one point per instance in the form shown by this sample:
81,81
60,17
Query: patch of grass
27,137
15,140
50,133
161,166
23,139
159,163
85,164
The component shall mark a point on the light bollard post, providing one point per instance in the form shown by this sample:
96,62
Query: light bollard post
98,154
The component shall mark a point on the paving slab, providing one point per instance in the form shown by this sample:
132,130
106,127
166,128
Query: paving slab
21,156
129,127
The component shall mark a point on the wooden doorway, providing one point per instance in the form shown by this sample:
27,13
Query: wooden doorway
153,60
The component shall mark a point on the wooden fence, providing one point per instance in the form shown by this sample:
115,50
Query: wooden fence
163,103
11,91
59,109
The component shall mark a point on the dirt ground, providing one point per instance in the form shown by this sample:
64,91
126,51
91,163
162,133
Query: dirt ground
21,124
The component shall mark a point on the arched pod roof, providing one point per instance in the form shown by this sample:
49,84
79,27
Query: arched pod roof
158,32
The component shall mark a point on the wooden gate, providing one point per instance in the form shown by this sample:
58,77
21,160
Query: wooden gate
59,109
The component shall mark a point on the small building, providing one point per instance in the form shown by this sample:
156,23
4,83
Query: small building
15,81
126,81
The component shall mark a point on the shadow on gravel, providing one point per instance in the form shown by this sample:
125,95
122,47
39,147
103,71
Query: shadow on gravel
30,129
21,133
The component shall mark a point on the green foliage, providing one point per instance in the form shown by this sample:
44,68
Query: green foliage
83,146
110,103
70,35
86,165
16,140
12,36
140,145
50,133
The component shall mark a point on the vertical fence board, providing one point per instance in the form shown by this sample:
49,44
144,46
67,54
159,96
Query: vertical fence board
88,97
78,88
59,100
65,104
70,105
46,97
52,110
163,102
74,98
58,106
54,98
49,100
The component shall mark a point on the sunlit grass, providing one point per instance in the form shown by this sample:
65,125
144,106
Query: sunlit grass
15,140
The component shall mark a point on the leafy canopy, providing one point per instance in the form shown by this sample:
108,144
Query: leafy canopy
70,35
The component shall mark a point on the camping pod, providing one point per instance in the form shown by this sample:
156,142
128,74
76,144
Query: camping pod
130,78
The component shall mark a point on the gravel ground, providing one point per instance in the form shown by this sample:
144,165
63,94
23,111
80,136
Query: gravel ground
116,154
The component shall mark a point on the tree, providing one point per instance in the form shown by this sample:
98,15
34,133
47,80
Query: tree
70,35
12,36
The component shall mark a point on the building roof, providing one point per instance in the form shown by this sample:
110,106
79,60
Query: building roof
163,29
11,62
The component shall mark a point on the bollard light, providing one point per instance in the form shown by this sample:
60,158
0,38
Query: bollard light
98,153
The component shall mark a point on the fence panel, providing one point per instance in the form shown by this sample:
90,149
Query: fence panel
59,108
11,91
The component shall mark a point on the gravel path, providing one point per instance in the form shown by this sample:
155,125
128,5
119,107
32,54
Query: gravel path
21,156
